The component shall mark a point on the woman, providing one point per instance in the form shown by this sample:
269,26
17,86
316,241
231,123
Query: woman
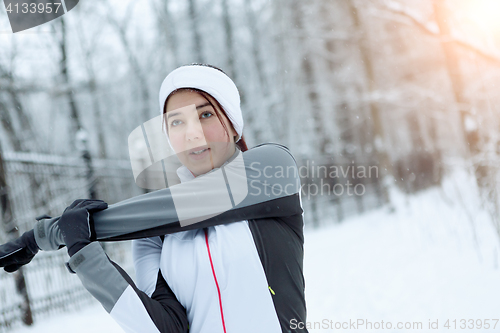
220,252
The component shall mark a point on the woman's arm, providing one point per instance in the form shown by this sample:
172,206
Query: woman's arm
146,255
261,182
134,310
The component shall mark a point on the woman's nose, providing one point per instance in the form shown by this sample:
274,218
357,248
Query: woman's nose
194,131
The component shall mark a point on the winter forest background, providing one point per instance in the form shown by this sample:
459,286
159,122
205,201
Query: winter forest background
406,87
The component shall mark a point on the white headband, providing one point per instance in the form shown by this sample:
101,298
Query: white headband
211,81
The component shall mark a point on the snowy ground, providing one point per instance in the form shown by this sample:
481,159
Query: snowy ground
436,257
417,264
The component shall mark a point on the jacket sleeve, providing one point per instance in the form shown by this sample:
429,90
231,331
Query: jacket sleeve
133,309
261,182
146,255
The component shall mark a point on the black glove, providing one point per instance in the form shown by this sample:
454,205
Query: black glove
18,252
76,222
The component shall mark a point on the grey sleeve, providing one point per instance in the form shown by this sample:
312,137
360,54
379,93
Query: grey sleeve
261,182
130,307
91,264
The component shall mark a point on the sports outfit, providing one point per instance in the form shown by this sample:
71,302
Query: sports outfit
238,271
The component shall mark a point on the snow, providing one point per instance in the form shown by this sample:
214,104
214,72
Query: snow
435,257
92,319
417,264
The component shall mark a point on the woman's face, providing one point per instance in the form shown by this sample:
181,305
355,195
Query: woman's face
193,126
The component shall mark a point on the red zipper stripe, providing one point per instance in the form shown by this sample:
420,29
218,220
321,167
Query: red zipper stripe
216,283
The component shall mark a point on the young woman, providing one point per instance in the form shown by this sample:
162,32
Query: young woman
220,252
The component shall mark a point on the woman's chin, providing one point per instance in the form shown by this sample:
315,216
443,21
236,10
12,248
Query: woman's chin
200,167
198,171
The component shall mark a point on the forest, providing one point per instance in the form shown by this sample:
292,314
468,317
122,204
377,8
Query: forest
370,96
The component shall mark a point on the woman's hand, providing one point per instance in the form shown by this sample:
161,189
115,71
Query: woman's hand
18,252
75,223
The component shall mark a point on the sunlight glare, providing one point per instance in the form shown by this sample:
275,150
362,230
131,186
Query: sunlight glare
485,13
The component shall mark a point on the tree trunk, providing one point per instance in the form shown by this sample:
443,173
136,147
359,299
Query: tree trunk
12,231
310,79
142,82
378,131
453,67
268,110
63,65
228,34
77,125
93,91
25,139
167,29
198,47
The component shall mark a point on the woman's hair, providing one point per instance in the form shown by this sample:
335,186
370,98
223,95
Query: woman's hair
241,143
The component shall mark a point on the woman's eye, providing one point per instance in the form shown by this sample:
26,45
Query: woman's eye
206,113
174,122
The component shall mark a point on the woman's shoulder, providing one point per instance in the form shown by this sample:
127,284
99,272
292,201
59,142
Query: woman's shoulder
271,151
271,145
148,242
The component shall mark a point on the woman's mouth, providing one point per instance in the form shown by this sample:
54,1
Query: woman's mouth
199,154
199,151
